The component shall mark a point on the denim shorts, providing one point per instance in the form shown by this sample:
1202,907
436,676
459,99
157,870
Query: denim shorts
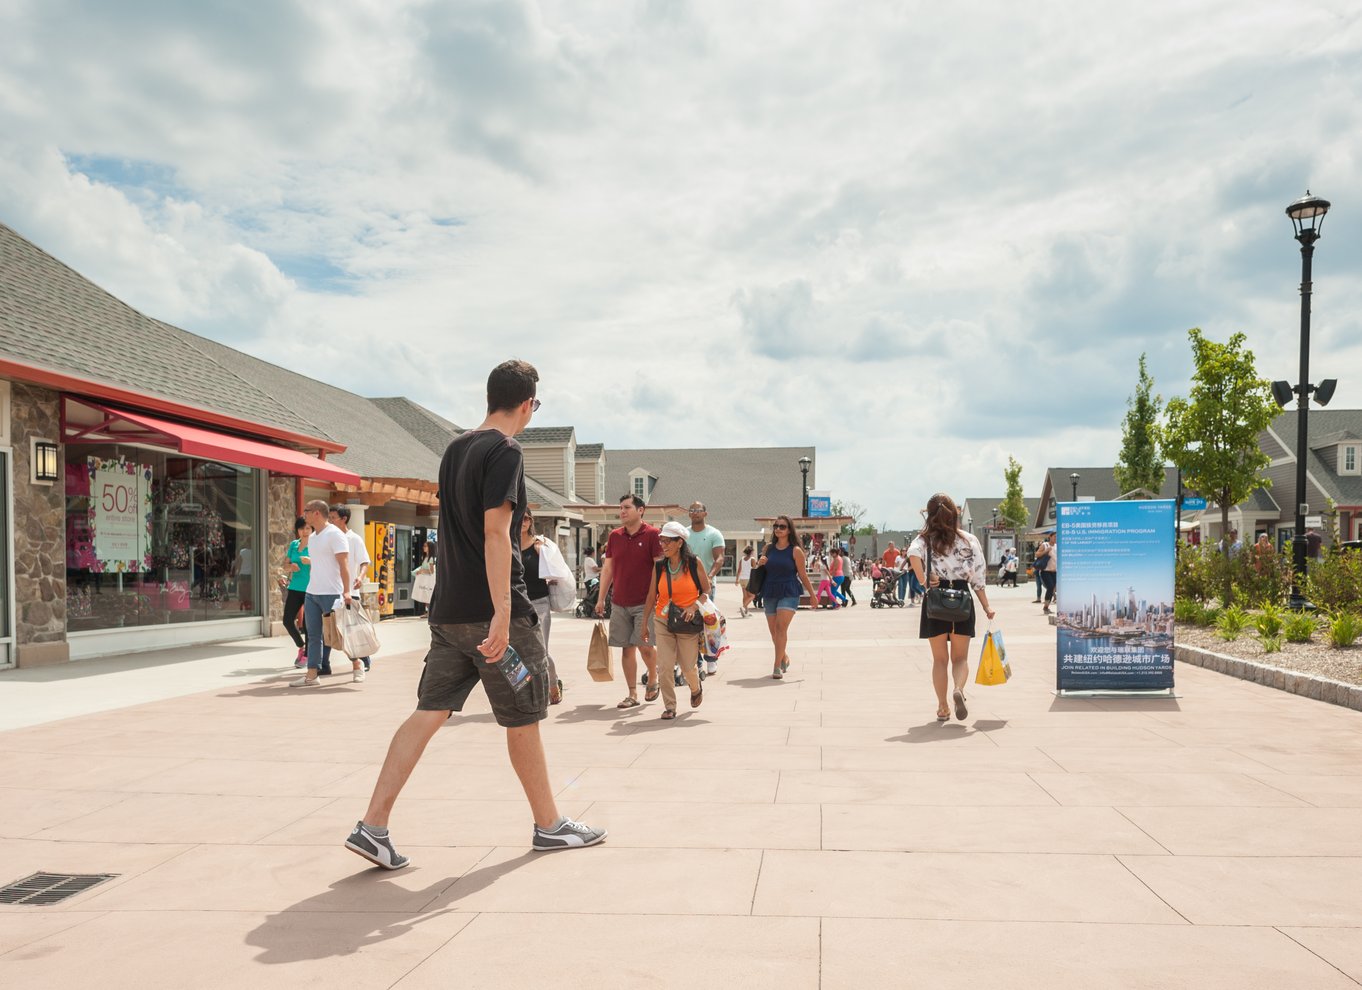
772,605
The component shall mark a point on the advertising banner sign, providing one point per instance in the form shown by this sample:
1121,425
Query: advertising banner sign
820,504
1115,606
120,514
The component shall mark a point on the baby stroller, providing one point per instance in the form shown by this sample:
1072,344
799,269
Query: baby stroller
886,590
586,608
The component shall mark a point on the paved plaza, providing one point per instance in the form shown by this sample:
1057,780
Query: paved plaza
822,831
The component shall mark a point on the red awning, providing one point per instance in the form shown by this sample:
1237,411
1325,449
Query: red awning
120,426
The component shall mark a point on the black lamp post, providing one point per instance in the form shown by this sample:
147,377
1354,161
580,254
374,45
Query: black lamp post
804,465
1073,480
1307,217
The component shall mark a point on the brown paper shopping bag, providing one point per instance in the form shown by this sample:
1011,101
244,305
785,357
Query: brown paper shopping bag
598,655
331,634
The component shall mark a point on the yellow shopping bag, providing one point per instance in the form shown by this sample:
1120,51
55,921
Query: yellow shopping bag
993,666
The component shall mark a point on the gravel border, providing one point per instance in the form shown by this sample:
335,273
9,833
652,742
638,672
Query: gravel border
1295,682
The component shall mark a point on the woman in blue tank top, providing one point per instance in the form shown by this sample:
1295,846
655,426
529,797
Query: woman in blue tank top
785,581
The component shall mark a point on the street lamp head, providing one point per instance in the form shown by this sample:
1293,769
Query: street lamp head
804,463
1282,392
1307,216
1075,476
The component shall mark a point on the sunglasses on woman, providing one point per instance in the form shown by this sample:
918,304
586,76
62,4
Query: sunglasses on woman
780,526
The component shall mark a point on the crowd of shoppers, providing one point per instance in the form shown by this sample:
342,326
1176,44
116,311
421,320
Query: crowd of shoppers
490,611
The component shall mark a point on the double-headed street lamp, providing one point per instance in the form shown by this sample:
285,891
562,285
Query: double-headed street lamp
1307,217
804,464
1073,480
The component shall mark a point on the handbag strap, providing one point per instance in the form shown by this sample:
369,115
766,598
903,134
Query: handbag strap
929,563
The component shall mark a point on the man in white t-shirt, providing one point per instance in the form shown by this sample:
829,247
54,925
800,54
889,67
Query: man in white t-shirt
328,578
359,565
590,569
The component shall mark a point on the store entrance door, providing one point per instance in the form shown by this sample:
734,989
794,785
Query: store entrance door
6,562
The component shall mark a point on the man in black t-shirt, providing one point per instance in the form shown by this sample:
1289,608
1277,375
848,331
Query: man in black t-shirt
478,611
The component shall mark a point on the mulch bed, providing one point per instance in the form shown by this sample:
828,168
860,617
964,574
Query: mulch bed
1317,658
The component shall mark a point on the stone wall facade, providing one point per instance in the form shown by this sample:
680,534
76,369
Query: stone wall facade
39,532
281,511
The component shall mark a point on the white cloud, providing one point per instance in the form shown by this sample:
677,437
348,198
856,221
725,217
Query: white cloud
921,239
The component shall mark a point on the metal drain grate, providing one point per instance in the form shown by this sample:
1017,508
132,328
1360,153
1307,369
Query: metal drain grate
50,888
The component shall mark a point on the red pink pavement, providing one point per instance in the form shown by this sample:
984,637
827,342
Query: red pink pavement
821,831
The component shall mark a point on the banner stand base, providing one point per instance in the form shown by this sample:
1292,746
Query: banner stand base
1160,693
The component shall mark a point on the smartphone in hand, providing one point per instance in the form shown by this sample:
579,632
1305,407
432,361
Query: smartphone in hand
513,669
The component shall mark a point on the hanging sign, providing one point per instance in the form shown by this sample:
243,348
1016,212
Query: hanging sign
820,504
120,514
1115,606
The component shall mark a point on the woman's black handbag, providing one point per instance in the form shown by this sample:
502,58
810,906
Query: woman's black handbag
676,616
756,580
946,604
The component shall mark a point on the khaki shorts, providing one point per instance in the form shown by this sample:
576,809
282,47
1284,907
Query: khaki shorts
454,666
626,626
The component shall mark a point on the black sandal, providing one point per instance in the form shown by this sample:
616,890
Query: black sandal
629,702
652,693
697,697
669,714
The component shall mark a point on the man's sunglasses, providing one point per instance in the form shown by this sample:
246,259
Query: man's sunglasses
534,405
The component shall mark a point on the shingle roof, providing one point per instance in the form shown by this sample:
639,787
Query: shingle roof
737,484
52,316
545,435
589,451
431,429
1325,426
1100,484
376,445
544,497
981,509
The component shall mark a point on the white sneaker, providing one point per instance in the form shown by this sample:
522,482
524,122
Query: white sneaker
306,682
358,677
711,667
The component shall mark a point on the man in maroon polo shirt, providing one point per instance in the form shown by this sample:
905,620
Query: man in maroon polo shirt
630,553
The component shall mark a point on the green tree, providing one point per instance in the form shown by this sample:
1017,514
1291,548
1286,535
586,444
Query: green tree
853,509
1213,433
1139,465
1013,509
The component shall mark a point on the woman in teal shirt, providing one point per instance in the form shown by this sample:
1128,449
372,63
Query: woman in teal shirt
300,568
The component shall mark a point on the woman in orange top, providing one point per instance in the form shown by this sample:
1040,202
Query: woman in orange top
678,579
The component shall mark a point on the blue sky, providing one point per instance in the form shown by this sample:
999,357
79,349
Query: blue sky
919,238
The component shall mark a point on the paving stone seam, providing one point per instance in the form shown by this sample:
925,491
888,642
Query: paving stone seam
439,948
1313,952
1138,826
93,916
1310,686
1258,776
1126,866
444,890
756,885
1031,776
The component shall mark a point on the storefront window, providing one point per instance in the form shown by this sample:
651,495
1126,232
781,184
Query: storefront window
154,538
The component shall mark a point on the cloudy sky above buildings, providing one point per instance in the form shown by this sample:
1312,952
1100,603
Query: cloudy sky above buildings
920,237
